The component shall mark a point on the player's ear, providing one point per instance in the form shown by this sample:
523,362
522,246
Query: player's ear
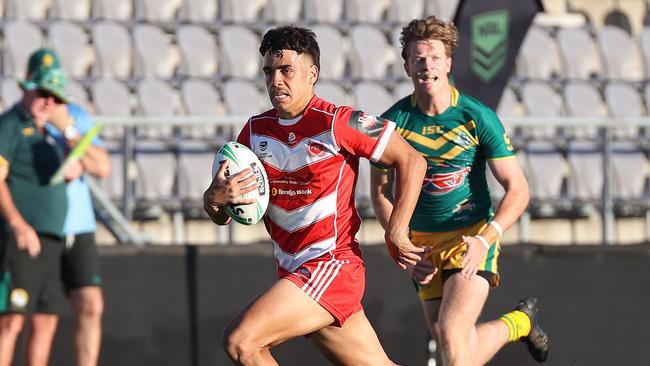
406,68
313,74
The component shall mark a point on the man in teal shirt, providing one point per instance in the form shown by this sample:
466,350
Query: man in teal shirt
454,218
32,213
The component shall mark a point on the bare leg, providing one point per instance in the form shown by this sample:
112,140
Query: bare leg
355,343
10,327
281,313
461,306
39,341
88,305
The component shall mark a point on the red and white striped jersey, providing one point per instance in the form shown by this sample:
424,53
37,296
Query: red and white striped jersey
312,164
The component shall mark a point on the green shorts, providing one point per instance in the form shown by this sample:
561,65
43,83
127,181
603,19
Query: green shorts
31,285
80,262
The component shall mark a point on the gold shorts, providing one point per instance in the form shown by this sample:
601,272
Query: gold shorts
448,250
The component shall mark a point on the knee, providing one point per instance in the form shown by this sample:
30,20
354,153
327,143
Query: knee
450,338
90,306
237,344
11,324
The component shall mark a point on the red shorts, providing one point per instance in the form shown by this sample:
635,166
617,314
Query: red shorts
336,284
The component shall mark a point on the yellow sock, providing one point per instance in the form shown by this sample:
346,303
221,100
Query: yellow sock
518,324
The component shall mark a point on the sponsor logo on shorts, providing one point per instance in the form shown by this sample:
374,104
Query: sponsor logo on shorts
443,183
19,298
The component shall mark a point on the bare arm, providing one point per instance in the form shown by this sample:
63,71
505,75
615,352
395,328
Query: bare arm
514,202
381,192
26,237
410,168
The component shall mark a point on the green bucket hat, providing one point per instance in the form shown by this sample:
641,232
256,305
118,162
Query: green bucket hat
44,72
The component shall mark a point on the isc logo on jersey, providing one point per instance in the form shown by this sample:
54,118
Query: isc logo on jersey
241,157
443,183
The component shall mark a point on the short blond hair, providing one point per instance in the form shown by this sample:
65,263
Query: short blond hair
430,28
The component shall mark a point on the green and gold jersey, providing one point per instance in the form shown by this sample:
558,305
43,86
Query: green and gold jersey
456,145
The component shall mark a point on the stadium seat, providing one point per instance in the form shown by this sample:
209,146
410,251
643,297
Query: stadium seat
238,52
156,98
35,10
509,105
541,100
198,50
71,10
157,11
155,55
644,44
538,56
631,171
117,10
194,175
594,10
623,100
443,9
113,185
366,11
580,56
10,92
546,171
402,89
371,54
283,11
237,11
634,12
200,98
332,92
154,188
621,56
372,98
202,11
73,46
79,95
584,100
318,11
20,39
403,11
242,98
113,50
585,182
111,98
333,51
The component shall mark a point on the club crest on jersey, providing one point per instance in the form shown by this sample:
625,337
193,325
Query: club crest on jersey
463,140
442,183
366,123
263,145
315,148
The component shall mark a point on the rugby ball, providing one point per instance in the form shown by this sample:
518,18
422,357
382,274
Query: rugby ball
241,157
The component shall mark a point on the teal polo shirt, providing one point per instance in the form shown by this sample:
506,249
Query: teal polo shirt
32,157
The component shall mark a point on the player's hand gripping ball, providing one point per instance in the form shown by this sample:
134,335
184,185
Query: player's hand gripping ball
241,157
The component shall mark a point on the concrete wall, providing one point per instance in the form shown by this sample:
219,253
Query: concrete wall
594,303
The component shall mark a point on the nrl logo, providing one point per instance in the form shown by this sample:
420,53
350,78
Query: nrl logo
263,145
489,43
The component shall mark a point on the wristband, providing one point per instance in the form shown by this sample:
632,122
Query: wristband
497,227
484,241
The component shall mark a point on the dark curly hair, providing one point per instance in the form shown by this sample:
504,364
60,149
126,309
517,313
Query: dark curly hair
288,37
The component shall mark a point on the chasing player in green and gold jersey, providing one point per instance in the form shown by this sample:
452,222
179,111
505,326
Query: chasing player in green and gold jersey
454,219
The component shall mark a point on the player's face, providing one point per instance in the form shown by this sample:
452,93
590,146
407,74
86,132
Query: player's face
41,105
290,79
428,65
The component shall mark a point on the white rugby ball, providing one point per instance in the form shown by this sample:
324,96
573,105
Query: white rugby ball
241,157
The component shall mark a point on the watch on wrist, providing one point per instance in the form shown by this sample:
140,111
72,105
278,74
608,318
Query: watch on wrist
70,132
